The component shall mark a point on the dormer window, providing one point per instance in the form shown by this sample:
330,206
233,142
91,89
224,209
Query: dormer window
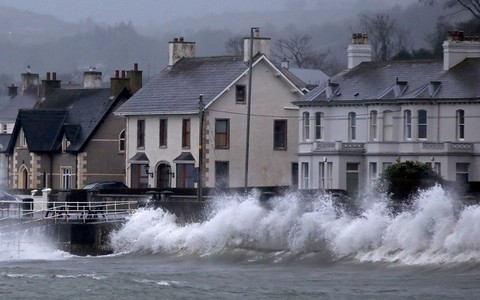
434,87
240,92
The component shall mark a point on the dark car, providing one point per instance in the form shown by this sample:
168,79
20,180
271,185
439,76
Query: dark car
105,185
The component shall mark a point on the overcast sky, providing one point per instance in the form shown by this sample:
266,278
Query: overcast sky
144,12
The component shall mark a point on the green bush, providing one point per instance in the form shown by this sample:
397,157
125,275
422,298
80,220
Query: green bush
405,179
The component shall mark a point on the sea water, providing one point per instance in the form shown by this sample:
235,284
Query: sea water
286,248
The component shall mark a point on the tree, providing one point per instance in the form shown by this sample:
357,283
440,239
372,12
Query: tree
297,48
405,179
234,45
385,36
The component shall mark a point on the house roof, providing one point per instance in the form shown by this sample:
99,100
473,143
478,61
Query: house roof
9,106
177,88
400,80
75,113
4,140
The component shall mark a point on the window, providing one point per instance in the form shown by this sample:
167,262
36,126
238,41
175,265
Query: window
306,126
319,126
121,142
186,175
221,174
462,172
304,182
4,128
422,124
437,167
222,133
385,165
140,133
373,170
240,94
139,176
162,138
186,133
407,124
67,177
325,170
460,118
280,134
388,125
352,126
373,125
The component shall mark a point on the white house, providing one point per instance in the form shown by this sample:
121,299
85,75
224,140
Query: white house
163,122
375,113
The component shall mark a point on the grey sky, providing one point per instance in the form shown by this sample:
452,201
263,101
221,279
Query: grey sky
144,12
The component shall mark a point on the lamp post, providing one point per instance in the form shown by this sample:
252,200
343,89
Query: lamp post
253,30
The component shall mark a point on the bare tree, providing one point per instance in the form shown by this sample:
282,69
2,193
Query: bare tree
297,48
234,45
473,6
385,36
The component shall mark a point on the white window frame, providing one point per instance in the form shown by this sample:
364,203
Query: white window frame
306,126
422,125
373,125
387,125
352,126
319,126
67,177
407,125
460,124
305,175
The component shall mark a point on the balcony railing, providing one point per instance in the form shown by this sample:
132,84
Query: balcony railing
338,146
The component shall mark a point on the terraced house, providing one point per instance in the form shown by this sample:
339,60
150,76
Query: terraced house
376,113
71,137
163,124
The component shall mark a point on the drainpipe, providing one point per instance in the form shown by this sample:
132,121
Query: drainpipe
51,170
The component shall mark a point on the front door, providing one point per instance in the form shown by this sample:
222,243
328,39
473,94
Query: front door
163,175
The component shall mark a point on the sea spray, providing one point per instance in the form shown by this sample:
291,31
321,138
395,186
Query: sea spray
435,229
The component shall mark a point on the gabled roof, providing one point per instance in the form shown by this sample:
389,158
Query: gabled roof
402,80
73,113
177,88
41,129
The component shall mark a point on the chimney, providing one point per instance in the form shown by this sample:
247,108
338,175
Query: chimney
12,91
30,82
49,84
285,64
92,79
458,47
135,77
359,50
260,45
117,83
178,48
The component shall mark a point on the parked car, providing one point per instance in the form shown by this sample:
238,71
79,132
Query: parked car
105,185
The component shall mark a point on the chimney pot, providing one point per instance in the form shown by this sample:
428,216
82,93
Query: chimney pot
123,73
54,76
135,67
117,73
48,75
175,39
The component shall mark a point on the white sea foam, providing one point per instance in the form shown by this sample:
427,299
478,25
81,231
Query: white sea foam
435,230
29,245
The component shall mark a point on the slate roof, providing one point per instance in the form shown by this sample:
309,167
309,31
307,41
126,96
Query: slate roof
4,140
9,106
401,80
177,88
75,113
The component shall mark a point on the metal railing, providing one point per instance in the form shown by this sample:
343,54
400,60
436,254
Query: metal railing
105,211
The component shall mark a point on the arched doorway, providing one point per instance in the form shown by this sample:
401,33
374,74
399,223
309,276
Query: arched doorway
164,173
23,178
